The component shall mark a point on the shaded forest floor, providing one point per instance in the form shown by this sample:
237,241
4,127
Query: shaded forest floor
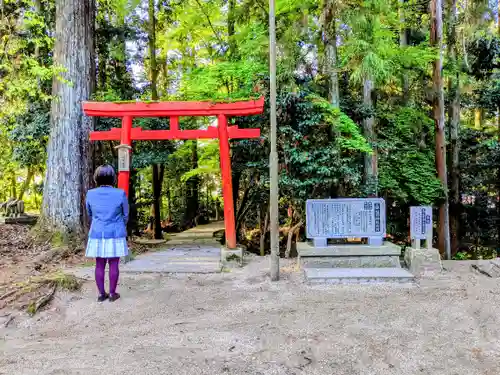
29,268
241,323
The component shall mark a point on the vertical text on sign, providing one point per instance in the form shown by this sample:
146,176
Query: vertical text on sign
420,222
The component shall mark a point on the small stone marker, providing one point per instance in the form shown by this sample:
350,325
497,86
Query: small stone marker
421,225
422,261
344,218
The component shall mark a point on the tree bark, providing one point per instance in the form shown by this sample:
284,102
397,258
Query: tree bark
436,39
154,96
291,232
236,180
13,184
152,50
498,137
193,187
157,182
231,23
371,160
454,121
132,227
403,43
331,54
68,166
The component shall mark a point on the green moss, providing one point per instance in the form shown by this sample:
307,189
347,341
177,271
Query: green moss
58,239
232,257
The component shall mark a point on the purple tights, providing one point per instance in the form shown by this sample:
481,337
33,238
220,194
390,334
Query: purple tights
100,271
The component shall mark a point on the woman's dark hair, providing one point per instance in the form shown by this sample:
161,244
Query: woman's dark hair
105,175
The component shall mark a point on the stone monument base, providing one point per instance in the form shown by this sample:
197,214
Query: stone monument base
348,256
423,261
350,263
232,255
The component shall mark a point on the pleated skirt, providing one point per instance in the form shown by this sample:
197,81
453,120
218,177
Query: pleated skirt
106,248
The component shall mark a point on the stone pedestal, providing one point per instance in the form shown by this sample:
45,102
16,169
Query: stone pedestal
348,256
231,255
423,261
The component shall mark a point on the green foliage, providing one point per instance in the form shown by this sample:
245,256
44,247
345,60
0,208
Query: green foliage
29,136
407,171
208,161
320,149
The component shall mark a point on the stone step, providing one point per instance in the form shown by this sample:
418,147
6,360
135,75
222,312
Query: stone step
306,249
152,267
384,261
357,275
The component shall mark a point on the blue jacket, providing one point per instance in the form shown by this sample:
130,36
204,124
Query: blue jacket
108,211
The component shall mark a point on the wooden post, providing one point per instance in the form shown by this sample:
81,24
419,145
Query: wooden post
273,155
227,185
125,147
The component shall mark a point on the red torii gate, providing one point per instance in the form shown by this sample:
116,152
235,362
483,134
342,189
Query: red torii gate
126,134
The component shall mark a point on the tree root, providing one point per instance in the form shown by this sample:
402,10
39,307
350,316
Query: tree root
34,306
36,285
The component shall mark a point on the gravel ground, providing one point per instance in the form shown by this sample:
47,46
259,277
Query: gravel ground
241,323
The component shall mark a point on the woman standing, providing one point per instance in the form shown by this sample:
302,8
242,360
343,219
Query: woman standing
108,210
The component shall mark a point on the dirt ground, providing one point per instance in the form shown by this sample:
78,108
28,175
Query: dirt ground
241,323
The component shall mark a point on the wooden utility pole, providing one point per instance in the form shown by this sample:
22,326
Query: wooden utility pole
273,157
454,124
439,121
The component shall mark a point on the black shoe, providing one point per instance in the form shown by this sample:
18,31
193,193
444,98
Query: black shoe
114,297
103,297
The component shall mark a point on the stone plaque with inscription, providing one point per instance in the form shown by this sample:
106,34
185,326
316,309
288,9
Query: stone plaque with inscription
345,217
421,222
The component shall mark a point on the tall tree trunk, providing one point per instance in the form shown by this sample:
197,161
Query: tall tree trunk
236,179
436,40
371,160
331,55
13,184
193,188
293,230
132,227
154,96
454,121
29,176
157,182
68,166
403,43
102,57
498,140
231,23
152,50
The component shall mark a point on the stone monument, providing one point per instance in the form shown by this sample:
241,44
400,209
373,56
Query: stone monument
422,260
347,218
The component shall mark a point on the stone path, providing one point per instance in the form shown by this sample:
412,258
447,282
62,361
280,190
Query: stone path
193,251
